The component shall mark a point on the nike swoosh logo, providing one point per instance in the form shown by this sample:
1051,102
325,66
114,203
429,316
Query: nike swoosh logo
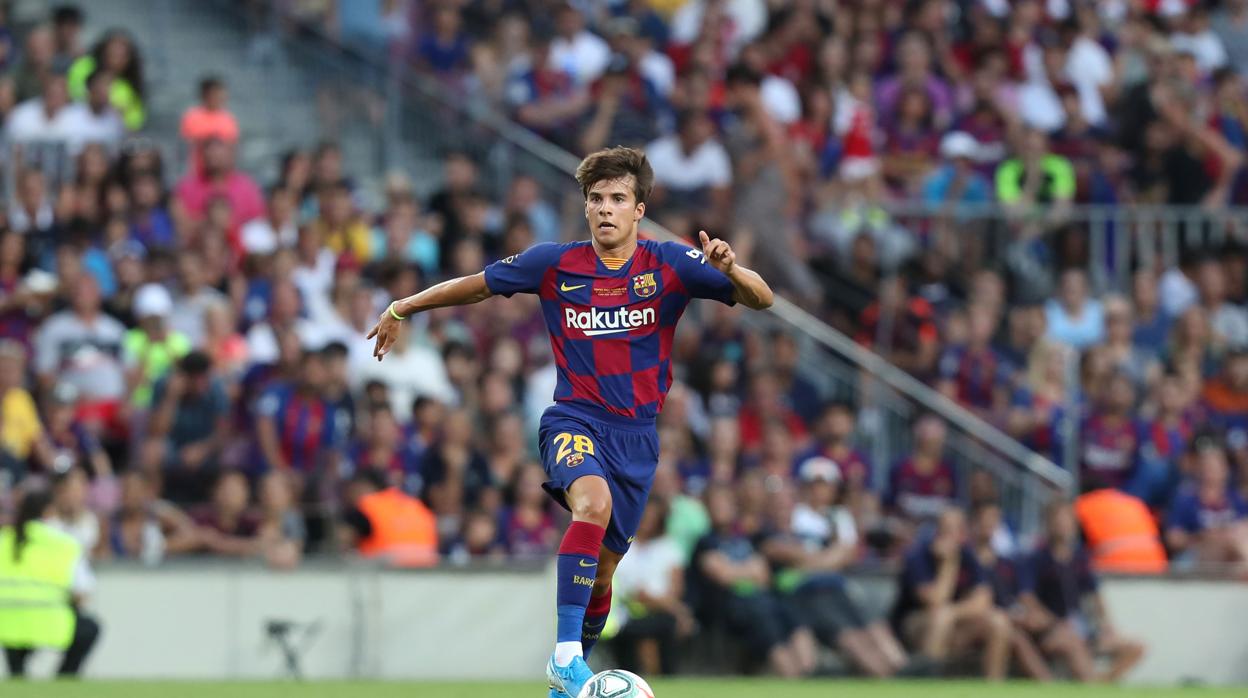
565,287
584,564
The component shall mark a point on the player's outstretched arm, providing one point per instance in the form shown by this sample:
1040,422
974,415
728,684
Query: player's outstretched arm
461,291
749,289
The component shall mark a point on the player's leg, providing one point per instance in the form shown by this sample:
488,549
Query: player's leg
629,459
589,498
578,482
599,601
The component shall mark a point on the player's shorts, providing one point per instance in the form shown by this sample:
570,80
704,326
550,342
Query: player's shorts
578,440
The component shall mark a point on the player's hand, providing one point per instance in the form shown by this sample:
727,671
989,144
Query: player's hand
386,331
717,252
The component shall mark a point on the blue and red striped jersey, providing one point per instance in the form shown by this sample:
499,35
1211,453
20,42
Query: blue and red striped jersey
611,321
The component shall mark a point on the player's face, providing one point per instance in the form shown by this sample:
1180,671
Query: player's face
612,210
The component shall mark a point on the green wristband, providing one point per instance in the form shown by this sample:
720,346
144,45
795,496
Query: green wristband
395,315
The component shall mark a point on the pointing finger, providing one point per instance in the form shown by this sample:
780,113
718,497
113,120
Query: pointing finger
703,237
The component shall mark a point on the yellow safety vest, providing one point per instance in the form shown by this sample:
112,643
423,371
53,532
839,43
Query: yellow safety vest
35,590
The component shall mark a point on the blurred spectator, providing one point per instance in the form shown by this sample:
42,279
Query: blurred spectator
72,507
1109,435
732,581
21,431
35,66
117,54
278,228
66,36
692,171
1035,175
913,345
386,451
1072,317
1163,441
833,433
215,179
812,543
528,527
799,392
150,223
649,583
94,120
339,226
152,348
944,600
955,181
44,119
296,427
281,528
544,95
82,346
1139,364
576,50
418,371
71,436
443,50
973,373
923,485
625,107
1230,24
1228,321
385,524
1063,586
227,526
1208,521
1120,532
188,428
145,528
1007,579
210,119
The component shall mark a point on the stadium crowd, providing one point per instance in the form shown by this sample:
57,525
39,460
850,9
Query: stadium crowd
182,353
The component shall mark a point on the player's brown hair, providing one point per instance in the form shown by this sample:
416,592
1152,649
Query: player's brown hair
615,163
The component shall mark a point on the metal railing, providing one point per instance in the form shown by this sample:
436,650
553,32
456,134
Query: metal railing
425,119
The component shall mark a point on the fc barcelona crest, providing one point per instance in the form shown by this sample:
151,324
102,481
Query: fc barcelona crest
644,285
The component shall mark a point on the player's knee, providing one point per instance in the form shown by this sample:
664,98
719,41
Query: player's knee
593,507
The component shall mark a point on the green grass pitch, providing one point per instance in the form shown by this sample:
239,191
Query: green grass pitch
684,688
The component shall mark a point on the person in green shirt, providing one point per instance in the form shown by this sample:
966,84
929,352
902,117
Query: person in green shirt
117,54
1035,175
151,349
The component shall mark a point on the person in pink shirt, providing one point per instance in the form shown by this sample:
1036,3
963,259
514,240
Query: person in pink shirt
216,177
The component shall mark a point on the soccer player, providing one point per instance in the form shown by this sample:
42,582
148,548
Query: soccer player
611,305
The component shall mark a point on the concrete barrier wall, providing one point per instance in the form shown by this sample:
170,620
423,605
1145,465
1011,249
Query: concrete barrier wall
209,623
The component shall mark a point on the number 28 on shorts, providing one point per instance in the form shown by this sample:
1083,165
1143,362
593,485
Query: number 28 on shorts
573,447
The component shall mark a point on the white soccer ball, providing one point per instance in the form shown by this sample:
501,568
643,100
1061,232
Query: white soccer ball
616,683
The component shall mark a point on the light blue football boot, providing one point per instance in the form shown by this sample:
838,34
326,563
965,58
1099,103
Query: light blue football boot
567,681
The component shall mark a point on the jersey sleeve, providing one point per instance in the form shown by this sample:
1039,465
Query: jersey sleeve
522,273
699,278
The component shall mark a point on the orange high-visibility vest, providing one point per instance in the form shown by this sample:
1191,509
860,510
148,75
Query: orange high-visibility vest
1120,532
405,532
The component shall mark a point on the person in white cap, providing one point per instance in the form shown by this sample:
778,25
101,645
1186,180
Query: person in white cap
956,181
150,349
